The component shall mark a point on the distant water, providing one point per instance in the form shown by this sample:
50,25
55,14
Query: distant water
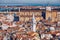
27,4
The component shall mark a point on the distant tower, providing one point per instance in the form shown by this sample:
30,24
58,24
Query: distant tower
34,23
48,13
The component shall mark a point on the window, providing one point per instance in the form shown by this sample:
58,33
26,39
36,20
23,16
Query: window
22,13
21,18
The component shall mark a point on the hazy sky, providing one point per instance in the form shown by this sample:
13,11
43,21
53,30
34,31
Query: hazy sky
54,2
30,1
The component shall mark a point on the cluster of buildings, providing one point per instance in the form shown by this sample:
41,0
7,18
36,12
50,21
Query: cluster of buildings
29,23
